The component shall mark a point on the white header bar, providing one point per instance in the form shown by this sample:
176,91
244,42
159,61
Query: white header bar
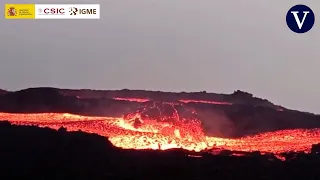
67,11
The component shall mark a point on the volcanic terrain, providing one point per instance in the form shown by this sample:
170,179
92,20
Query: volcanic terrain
134,119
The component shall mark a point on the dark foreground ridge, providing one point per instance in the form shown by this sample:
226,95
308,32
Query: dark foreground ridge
43,153
243,115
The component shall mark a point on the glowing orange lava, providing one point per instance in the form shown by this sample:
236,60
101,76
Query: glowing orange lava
206,102
183,101
135,132
131,99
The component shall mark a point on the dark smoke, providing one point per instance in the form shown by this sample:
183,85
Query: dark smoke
216,124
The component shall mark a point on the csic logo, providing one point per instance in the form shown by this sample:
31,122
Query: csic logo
300,18
51,11
75,11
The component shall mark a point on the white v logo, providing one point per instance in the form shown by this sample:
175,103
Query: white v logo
300,23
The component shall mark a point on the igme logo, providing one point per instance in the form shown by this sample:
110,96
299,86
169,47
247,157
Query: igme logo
300,18
75,11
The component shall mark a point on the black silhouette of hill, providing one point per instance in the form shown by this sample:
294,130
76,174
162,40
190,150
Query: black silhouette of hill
246,116
28,152
36,100
2,92
238,97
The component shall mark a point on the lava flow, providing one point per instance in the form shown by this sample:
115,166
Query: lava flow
132,99
183,101
159,125
135,131
206,102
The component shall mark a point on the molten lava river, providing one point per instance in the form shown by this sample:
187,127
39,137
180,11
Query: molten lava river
132,132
